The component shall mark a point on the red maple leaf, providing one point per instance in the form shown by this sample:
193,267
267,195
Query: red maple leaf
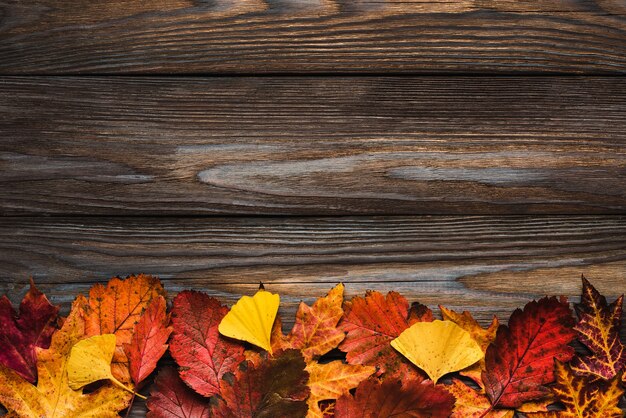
521,359
171,398
393,398
598,328
271,388
197,346
21,333
371,323
148,343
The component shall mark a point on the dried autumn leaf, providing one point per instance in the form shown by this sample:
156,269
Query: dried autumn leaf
149,340
598,328
115,309
331,380
171,398
482,336
391,398
251,319
438,347
274,388
315,331
21,333
371,323
584,396
520,360
473,404
202,353
53,397
420,313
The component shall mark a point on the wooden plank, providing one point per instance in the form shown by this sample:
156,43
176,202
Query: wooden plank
488,265
312,146
256,36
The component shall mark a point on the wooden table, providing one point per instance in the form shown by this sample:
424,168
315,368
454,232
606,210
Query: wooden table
470,153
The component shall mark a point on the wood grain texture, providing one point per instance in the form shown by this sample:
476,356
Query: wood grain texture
308,36
488,265
312,146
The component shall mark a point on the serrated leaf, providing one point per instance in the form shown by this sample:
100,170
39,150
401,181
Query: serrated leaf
274,388
315,331
473,404
391,398
171,398
584,396
115,309
149,340
598,328
197,346
53,397
251,319
520,360
331,380
21,333
371,323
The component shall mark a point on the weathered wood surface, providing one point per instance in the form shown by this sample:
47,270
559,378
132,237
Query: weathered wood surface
312,146
294,36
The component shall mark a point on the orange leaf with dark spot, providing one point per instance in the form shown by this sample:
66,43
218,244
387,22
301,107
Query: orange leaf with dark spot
393,398
598,328
203,354
149,341
116,309
171,398
521,359
274,388
21,333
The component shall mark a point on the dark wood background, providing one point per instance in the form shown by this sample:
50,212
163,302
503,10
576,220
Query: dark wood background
470,153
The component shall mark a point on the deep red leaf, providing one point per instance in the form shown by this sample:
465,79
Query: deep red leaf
391,398
598,328
171,398
149,341
21,332
371,323
273,388
521,359
203,355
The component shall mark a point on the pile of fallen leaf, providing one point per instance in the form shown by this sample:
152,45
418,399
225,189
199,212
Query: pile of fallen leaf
371,356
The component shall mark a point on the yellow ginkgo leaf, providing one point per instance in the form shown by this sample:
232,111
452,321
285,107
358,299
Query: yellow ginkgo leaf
251,319
438,347
90,361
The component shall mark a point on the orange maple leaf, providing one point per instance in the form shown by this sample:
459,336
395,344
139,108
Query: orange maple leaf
331,380
315,330
116,309
53,397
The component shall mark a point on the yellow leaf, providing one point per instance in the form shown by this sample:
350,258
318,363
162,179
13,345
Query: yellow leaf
53,397
251,319
90,361
331,380
438,347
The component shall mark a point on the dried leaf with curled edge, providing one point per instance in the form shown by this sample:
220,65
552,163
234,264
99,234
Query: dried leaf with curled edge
53,397
598,328
584,396
204,356
20,334
393,398
520,360
331,380
149,341
371,323
171,398
315,331
115,309
251,319
482,336
438,347
273,388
